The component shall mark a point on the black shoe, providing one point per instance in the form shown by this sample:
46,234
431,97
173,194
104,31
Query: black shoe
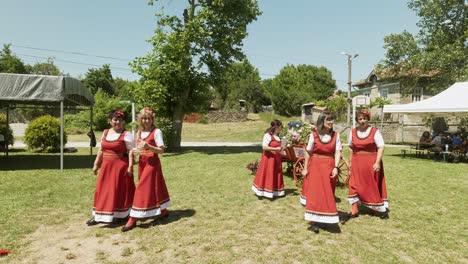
384,216
353,215
315,228
91,222
128,228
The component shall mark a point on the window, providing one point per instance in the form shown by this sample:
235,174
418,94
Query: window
384,93
366,94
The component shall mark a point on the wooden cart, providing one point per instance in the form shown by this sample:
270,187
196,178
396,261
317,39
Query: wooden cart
294,155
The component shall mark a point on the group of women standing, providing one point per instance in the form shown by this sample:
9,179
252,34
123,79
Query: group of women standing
116,197
324,151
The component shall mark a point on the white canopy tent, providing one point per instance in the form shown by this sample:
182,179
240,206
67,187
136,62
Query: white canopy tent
452,101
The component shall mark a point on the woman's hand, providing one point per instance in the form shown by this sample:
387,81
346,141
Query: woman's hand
95,169
130,171
143,145
304,172
376,166
334,173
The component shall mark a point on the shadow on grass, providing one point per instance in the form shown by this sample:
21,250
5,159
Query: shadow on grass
28,161
173,216
216,150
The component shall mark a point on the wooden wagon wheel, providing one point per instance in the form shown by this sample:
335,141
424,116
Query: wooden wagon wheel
298,168
343,173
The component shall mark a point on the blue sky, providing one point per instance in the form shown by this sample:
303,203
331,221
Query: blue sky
295,32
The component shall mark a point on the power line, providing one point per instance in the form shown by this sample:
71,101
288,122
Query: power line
73,52
73,62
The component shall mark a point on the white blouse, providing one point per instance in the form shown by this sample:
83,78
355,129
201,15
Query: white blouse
267,138
128,138
158,136
324,138
377,136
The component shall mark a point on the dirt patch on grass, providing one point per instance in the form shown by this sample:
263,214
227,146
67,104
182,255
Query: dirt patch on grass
74,242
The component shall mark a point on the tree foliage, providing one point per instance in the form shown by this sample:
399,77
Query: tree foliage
242,81
296,85
190,53
435,57
10,63
101,78
45,68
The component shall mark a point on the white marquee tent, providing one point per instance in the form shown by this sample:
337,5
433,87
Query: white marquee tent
452,101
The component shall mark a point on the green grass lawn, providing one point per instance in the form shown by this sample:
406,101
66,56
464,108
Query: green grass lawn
215,217
250,131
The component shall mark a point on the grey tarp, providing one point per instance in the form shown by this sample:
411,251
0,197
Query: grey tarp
46,90
27,88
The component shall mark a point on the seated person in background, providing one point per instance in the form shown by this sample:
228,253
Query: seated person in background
464,146
457,141
425,140
439,139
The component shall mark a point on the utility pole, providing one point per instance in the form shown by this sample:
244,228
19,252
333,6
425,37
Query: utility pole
350,59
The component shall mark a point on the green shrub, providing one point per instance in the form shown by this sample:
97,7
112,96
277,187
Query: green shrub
77,123
203,120
168,132
6,130
43,134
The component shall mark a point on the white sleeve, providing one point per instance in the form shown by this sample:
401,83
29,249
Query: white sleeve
379,139
129,140
266,140
310,145
159,138
338,142
350,137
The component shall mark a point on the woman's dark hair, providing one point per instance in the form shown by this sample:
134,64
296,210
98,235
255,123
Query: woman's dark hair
325,115
116,113
273,125
426,133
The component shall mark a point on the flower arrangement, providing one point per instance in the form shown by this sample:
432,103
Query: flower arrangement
296,133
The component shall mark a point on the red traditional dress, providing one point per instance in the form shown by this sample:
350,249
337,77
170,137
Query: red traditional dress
268,180
115,187
319,191
366,185
151,195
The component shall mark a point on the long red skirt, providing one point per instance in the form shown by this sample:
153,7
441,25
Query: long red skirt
366,185
320,202
151,195
269,177
114,192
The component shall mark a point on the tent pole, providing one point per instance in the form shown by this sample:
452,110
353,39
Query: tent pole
381,120
7,125
61,136
91,128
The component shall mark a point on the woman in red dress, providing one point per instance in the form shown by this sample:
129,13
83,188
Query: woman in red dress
367,181
151,195
268,180
115,187
321,170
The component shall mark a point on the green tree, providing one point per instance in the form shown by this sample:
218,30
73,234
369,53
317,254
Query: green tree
296,85
242,82
45,68
190,53
124,89
101,78
438,51
10,63
338,105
